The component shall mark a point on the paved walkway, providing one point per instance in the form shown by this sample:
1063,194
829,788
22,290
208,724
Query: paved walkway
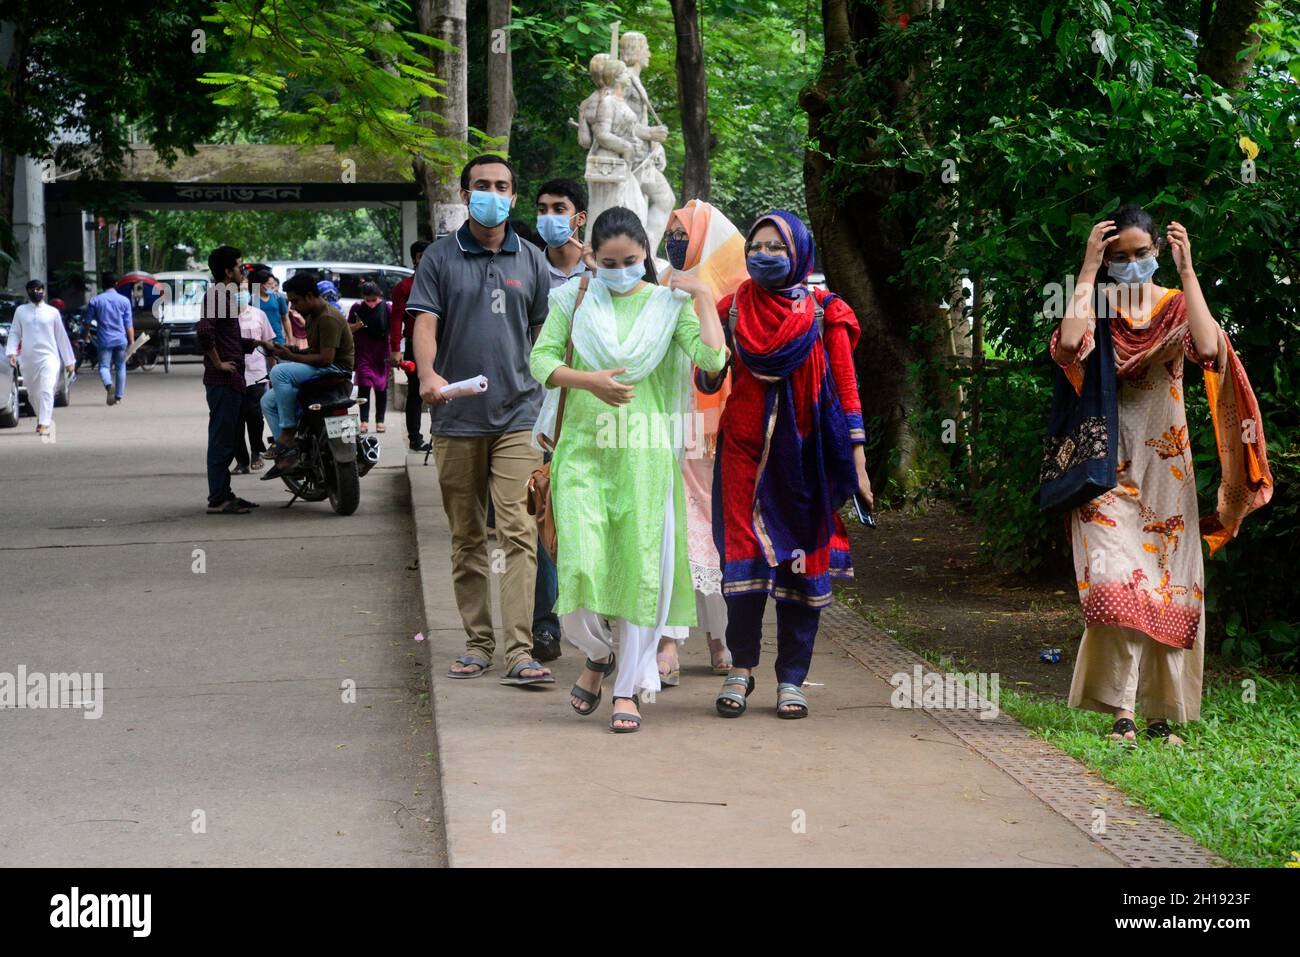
223,689
526,782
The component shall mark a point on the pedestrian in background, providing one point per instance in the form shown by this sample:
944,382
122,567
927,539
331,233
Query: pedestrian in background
700,241
224,348
37,332
400,327
114,333
270,299
369,319
561,213
254,323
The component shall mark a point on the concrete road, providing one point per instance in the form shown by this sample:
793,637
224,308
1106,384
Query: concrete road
226,643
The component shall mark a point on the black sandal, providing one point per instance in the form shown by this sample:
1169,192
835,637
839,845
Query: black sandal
1158,731
582,694
231,506
626,716
1122,726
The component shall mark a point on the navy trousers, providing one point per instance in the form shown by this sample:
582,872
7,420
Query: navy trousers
796,630
225,407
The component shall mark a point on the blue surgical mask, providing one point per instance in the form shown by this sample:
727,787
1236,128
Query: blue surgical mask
555,229
1138,271
676,249
768,271
622,279
243,299
488,209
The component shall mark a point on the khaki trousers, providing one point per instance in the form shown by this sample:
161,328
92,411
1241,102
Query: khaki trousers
468,469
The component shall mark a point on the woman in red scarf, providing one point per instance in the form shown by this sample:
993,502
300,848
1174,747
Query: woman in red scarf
790,453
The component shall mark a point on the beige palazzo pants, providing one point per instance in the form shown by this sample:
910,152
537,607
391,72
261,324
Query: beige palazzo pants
1122,668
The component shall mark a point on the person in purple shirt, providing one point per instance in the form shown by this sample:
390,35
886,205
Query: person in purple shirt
114,333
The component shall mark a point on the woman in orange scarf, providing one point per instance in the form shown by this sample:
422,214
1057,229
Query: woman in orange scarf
700,241
1137,560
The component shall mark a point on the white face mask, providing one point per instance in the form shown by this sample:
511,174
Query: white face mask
1138,271
622,278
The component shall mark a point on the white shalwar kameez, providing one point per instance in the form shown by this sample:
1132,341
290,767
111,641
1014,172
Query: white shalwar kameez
38,332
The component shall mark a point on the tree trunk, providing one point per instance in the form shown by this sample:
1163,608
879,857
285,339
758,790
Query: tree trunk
500,74
862,246
1227,35
693,100
16,92
445,19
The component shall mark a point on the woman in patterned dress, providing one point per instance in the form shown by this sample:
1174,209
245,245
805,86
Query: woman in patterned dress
1137,559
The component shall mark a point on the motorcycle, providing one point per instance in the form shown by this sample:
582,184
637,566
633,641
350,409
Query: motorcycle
84,345
333,455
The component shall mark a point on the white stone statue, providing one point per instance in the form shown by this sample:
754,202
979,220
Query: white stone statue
609,127
650,159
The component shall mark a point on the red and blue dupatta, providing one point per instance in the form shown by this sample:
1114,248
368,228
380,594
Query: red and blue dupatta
785,454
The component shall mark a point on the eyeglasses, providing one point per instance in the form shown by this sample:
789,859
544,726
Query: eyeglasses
773,246
678,235
1133,257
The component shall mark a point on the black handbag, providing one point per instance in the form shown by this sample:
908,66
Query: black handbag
1080,450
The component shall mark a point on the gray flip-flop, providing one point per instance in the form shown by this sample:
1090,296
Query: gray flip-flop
483,664
515,675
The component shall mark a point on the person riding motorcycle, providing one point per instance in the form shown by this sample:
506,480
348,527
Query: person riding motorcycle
329,350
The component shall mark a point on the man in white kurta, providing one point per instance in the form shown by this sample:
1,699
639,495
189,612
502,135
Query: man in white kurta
38,340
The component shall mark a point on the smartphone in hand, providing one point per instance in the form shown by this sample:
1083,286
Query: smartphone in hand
864,513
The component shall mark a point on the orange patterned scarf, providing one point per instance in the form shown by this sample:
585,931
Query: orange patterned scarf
1246,483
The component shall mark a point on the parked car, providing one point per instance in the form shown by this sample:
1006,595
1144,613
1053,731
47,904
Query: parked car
13,392
10,397
348,277
182,309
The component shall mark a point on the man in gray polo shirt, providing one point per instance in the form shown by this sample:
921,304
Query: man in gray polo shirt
479,297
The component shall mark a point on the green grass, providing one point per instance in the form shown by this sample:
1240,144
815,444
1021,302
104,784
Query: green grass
1235,786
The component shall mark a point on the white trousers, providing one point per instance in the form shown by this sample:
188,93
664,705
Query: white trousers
637,644
711,613
41,376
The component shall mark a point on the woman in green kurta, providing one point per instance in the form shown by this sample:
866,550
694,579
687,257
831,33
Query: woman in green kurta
615,474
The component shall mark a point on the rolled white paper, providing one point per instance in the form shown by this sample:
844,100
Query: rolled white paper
473,386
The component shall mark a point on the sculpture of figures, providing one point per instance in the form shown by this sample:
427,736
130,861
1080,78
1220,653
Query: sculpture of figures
611,128
650,160
587,111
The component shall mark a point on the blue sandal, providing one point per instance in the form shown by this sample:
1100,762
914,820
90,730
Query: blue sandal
515,676
726,710
789,694
483,666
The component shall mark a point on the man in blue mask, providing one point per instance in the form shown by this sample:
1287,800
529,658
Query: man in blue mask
561,214
479,299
